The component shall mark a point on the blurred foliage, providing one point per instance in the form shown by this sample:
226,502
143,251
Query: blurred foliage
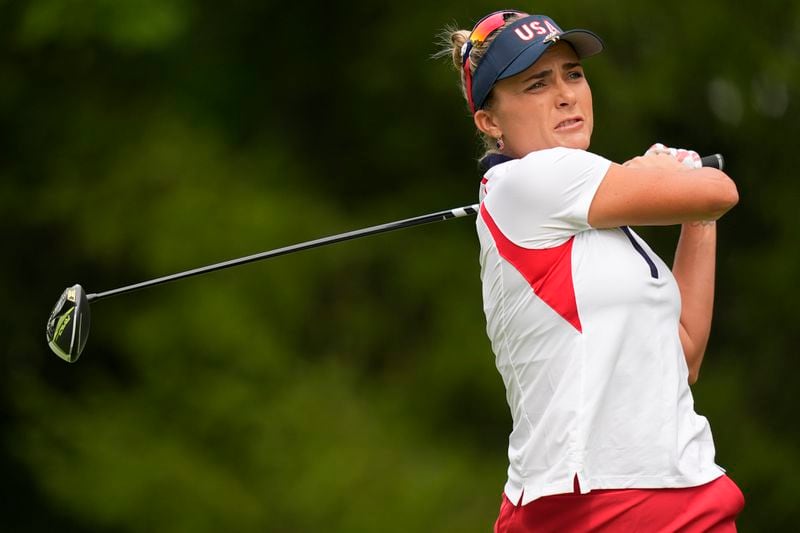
349,388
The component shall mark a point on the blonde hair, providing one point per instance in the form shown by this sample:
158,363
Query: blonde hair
451,42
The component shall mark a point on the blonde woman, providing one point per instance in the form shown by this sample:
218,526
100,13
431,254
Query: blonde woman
596,338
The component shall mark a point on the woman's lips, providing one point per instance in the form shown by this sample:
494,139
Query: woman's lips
569,124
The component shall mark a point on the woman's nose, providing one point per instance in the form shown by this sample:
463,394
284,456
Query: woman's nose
565,95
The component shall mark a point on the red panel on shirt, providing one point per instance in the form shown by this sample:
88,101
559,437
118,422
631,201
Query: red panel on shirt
548,270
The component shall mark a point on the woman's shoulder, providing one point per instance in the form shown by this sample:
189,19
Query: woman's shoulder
551,161
559,155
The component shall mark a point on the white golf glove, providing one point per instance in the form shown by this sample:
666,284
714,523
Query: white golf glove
689,158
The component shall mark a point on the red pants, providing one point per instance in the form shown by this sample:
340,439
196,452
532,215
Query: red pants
712,507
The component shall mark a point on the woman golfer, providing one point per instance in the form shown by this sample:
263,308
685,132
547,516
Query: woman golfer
596,338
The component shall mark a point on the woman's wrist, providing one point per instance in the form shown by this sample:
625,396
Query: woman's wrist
701,223
699,231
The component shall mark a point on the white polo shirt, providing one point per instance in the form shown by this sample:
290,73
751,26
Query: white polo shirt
584,325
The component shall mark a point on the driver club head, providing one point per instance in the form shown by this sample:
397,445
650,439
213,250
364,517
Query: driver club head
68,326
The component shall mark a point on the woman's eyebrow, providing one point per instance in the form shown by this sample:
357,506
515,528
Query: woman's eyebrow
544,73
538,75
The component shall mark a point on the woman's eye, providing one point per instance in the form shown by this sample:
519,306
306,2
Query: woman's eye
574,75
537,85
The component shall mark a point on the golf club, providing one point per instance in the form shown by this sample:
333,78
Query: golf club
68,326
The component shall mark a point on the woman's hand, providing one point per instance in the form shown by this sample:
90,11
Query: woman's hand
659,160
688,158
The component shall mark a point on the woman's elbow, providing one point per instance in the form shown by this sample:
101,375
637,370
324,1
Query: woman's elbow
693,355
724,197
729,193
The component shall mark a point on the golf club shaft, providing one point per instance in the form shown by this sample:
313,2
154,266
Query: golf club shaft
373,230
714,160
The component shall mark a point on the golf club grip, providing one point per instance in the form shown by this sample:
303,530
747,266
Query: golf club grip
714,161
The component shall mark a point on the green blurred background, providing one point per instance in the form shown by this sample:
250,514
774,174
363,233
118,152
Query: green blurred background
348,388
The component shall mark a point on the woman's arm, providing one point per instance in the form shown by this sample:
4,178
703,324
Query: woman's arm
658,190
693,268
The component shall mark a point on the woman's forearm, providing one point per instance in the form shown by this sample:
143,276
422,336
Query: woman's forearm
694,269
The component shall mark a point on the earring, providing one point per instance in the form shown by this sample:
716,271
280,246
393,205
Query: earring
500,143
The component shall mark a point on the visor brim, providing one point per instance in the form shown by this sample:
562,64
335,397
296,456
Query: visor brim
584,42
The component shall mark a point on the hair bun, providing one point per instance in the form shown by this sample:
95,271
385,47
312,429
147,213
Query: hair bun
459,40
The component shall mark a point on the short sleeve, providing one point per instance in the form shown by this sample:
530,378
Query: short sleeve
543,199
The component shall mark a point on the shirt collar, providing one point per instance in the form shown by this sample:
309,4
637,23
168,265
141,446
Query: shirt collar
492,159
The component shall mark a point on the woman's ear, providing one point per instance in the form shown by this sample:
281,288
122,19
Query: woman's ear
484,121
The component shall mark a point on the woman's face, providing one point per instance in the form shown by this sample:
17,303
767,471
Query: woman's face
545,106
